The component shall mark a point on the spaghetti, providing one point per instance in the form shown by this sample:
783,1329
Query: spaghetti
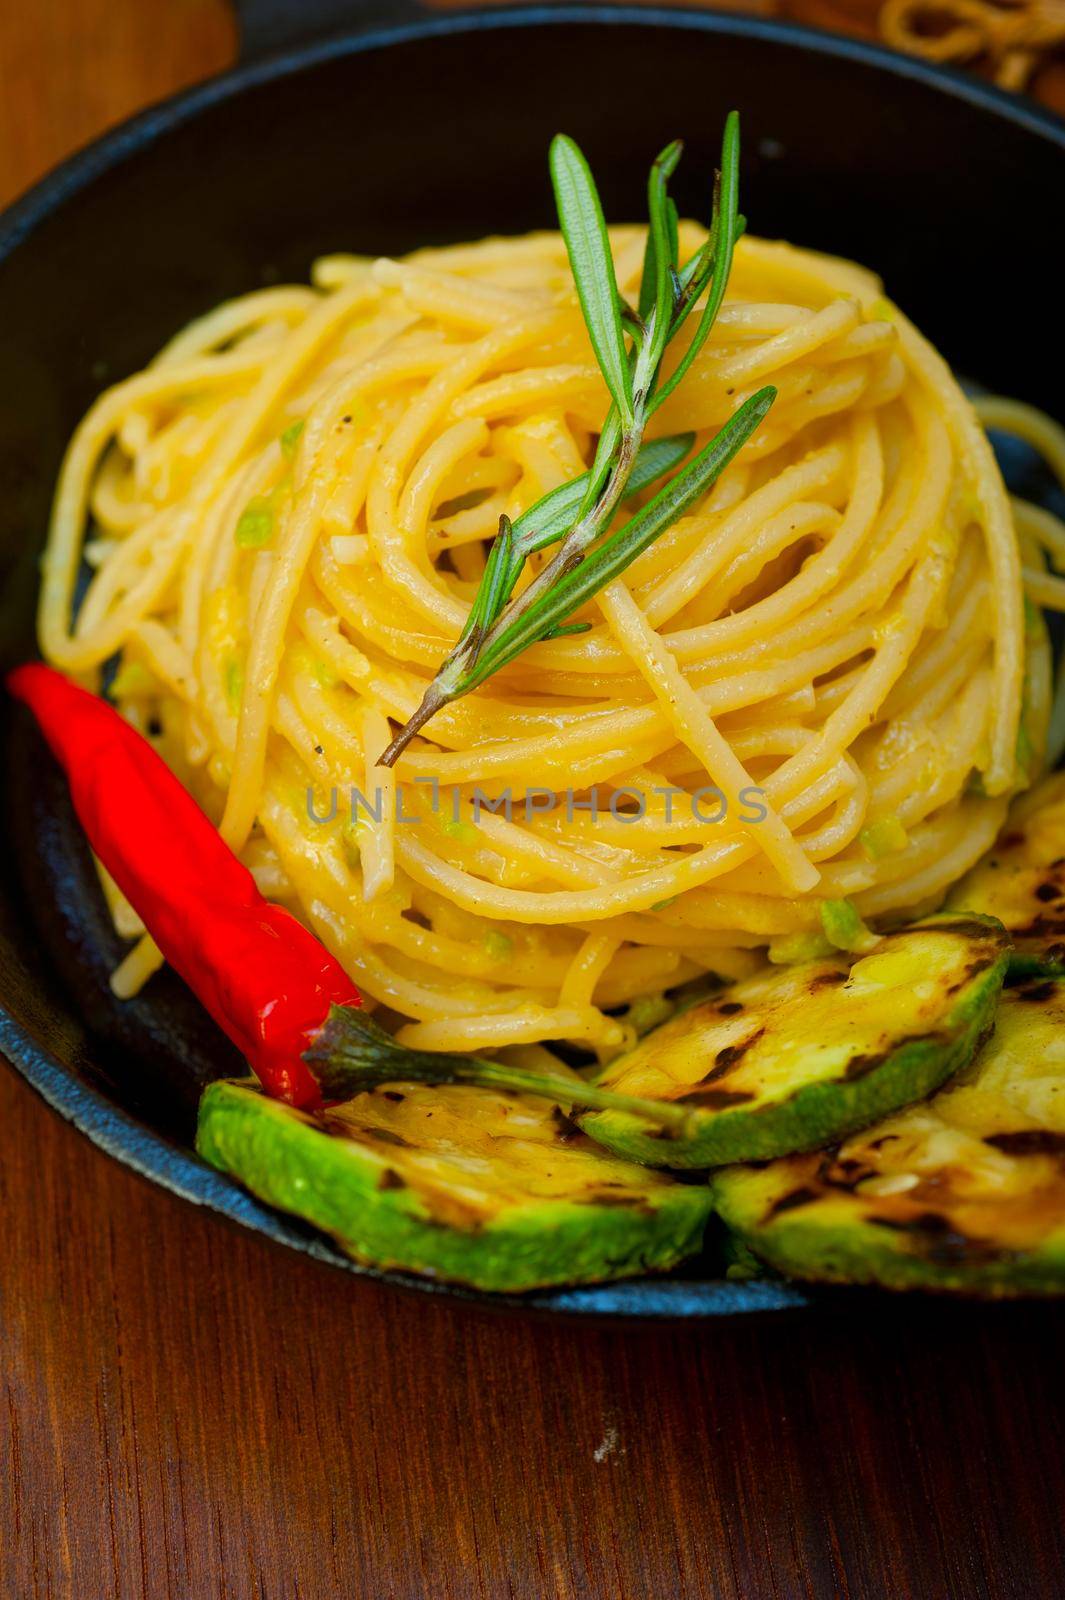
285,518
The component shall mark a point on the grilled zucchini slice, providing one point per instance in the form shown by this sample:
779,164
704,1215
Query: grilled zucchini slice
966,1193
1022,881
495,1190
793,1059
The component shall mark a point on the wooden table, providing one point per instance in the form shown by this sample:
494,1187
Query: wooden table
189,1412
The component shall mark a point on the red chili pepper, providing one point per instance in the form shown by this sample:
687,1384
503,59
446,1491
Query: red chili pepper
264,978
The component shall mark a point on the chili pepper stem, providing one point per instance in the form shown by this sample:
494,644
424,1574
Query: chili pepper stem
352,1054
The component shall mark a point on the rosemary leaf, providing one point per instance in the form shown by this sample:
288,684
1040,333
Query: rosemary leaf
497,569
603,463
673,228
722,243
660,253
580,216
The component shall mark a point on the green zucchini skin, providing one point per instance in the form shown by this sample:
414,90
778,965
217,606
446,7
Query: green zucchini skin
965,1195
394,1192
1021,881
862,1254
776,1096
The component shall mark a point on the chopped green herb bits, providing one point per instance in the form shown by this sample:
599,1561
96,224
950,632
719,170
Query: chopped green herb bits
499,945
255,525
884,837
794,947
844,928
291,438
234,685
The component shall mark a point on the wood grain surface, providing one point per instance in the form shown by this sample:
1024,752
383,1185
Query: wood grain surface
189,1412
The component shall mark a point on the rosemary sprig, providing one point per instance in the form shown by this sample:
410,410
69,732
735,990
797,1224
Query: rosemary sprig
578,516
352,1054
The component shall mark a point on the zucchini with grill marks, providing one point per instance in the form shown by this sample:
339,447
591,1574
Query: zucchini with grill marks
1021,881
496,1190
794,1059
966,1193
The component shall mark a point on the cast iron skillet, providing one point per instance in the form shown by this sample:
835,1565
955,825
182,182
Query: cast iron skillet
428,131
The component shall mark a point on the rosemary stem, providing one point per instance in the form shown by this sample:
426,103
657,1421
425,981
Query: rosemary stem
502,623
451,681
580,536
434,699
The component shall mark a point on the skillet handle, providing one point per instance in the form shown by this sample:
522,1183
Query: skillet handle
270,26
